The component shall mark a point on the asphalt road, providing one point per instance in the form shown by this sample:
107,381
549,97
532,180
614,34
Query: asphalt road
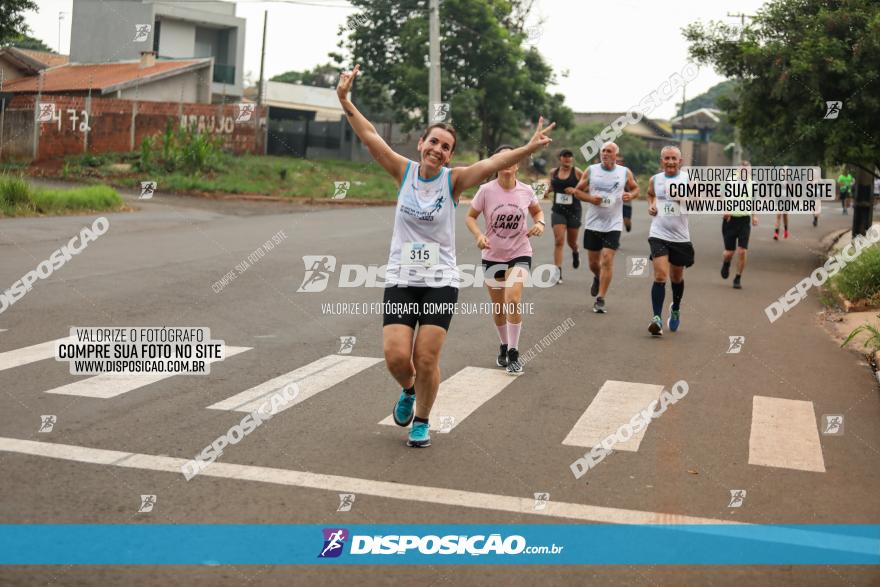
158,266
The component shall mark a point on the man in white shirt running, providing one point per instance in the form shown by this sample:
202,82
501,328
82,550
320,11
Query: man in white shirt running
670,240
605,187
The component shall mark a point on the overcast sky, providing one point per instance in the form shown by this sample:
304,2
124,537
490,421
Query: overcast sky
615,52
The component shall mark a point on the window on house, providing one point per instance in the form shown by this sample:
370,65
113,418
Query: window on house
157,26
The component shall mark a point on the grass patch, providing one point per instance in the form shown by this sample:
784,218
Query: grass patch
19,198
96,197
204,171
871,342
860,279
246,174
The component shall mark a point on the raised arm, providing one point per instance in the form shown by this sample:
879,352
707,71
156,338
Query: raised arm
383,154
467,177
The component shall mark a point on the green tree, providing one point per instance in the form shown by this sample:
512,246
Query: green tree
322,76
29,42
709,98
639,158
793,57
12,24
495,85
714,98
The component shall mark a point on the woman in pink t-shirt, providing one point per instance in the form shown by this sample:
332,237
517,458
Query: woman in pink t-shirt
507,253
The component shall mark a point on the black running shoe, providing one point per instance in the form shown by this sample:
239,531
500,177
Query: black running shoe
514,367
736,283
725,270
594,289
501,361
815,220
599,306
575,259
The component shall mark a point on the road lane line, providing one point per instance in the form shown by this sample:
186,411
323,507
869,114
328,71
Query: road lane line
461,395
311,379
30,354
784,434
110,385
337,484
615,404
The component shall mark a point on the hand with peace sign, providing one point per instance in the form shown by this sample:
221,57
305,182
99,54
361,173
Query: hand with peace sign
346,79
540,139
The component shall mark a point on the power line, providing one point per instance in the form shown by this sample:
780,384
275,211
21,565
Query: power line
299,2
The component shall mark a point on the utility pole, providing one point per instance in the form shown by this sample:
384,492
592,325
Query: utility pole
737,144
60,18
434,55
263,133
262,90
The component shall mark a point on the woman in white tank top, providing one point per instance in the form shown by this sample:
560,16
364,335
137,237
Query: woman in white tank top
422,277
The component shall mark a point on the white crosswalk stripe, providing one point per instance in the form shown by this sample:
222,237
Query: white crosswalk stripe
615,404
784,434
310,379
110,385
30,354
461,395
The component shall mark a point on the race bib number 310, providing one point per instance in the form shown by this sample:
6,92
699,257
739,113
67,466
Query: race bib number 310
420,254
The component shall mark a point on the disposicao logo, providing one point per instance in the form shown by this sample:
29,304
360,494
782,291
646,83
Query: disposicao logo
334,541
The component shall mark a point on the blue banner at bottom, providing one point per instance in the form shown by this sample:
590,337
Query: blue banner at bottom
550,544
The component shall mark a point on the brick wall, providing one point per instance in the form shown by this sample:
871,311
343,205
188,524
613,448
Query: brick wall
101,125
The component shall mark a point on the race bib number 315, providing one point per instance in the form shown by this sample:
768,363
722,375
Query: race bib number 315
420,254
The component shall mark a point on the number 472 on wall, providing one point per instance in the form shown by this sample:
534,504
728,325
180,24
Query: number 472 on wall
49,113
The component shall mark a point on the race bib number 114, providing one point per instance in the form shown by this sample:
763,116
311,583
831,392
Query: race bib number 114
668,209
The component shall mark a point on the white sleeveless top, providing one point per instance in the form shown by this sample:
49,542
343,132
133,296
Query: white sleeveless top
610,184
423,241
669,224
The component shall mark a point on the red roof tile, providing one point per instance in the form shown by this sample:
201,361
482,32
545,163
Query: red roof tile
50,59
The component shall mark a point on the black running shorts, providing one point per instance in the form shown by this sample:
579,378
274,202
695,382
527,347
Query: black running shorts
736,230
680,254
596,241
410,305
569,220
499,268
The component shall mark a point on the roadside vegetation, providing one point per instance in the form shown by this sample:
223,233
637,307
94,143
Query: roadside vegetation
859,281
19,198
871,342
183,161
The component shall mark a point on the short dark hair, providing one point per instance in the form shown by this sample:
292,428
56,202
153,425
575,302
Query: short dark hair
503,147
566,153
447,127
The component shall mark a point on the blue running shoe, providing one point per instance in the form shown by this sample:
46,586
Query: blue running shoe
674,319
403,409
656,326
418,435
